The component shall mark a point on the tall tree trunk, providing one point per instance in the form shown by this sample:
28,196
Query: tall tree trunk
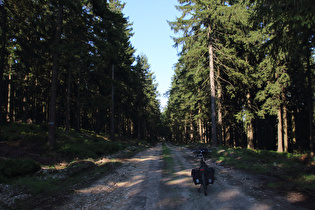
205,131
310,105
220,117
139,129
3,61
25,100
9,105
129,127
10,97
249,124
224,134
293,129
68,101
120,116
186,135
112,112
280,138
200,125
250,135
78,115
285,129
191,129
212,90
53,97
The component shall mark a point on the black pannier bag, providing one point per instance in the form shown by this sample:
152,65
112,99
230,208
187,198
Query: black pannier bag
210,175
195,173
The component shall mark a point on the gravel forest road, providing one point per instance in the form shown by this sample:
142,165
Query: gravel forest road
145,182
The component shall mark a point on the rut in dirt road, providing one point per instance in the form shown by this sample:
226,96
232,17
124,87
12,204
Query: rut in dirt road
146,181
231,189
135,185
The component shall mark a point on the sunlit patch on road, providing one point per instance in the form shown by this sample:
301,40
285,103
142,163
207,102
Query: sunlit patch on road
228,195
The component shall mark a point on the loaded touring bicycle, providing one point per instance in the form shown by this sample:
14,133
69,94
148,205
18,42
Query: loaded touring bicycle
203,175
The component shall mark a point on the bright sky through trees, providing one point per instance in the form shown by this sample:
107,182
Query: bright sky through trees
152,37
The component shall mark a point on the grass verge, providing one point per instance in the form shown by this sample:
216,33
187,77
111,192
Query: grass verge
292,171
29,166
168,160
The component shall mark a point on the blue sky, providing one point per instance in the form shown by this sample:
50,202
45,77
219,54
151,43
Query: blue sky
152,37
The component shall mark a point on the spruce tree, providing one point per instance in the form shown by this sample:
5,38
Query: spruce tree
288,25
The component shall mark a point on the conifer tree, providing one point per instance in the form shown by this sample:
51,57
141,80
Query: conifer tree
212,34
3,57
55,67
288,25
95,36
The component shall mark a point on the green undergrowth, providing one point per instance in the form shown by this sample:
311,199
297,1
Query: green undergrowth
27,163
291,171
168,160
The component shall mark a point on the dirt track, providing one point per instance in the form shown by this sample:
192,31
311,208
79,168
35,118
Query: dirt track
143,183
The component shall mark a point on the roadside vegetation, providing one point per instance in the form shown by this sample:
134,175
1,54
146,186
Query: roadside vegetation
28,164
168,160
290,171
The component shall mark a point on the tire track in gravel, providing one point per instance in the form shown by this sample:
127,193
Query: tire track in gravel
135,185
231,190
176,182
143,183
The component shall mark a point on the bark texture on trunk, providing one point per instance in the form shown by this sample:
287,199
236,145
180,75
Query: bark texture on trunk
280,138
53,96
212,89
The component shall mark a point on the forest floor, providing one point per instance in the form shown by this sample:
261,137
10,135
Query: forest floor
149,181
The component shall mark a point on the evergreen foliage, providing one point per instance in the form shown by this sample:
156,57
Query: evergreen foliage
18,167
263,61
260,51
94,36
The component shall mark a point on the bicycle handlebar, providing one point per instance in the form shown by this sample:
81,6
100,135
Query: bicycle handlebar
201,150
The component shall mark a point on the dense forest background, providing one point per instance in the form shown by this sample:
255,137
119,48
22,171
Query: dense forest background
71,64
245,74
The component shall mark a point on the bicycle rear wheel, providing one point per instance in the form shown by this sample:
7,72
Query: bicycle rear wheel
204,184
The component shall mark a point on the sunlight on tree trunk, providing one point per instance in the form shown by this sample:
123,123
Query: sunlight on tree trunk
250,135
220,118
285,129
10,97
280,139
212,87
200,126
249,124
